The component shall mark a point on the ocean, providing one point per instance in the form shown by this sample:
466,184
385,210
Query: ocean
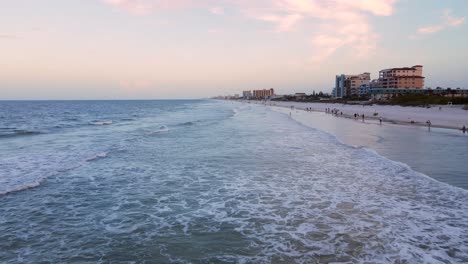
437,152
207,181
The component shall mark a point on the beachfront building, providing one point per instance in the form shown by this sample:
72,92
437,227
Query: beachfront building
300,96
348,85
363,89
402,78
247,95
339,90
263,94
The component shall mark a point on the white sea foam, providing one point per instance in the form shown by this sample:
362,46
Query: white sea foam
161,129
100,155
257,188
33,174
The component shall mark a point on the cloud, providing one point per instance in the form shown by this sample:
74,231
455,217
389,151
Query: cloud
337,23
451,21
137,7
334,24
283,23
217,10
145,7
8,36
447,21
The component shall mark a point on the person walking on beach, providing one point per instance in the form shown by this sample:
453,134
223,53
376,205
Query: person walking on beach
428,122
363,117
464,129
380,120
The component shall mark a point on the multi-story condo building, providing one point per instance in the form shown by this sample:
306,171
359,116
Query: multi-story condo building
261,94
398,78
348,85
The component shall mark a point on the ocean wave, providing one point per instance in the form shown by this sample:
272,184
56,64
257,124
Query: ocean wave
162,129
371,151
101,123
38,180
25,186
98,156
186,124
71,119
18,132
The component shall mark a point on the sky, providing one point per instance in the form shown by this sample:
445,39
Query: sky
161,49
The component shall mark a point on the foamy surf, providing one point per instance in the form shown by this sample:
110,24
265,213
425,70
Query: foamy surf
161,129
256,187
98,156
45,169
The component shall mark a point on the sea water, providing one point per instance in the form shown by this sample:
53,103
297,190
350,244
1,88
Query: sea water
209,182
439,153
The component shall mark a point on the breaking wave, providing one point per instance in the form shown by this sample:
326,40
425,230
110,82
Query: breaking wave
18,132
161,129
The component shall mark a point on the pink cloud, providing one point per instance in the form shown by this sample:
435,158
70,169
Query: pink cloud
430,29
447,21
339,23
217,10
137,7
376,7
283,23
452,21
331,20
144,7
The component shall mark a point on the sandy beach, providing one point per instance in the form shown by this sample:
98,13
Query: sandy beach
453,117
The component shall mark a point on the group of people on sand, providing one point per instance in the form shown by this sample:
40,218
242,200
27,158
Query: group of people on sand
333,111
336,112
357,116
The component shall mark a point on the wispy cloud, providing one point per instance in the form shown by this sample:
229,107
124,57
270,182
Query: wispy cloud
137,7
336,23
8,36
145,7
283,23
447,21
217,10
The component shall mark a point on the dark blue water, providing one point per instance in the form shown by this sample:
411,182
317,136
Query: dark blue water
209,182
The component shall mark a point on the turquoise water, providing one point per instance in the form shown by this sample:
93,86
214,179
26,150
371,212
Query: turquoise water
207,181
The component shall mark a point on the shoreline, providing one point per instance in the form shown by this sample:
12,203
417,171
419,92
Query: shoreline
396,115
382,139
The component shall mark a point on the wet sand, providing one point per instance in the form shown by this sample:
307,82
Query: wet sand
450,117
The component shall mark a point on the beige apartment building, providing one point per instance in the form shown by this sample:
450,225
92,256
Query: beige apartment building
353,82
261,94
402,78
348,85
